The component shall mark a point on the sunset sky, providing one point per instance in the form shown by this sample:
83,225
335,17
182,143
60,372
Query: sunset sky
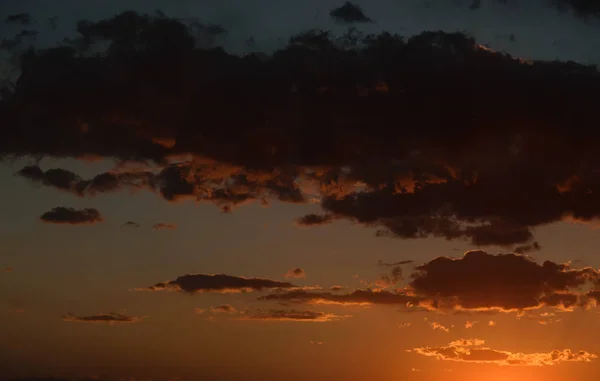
157,255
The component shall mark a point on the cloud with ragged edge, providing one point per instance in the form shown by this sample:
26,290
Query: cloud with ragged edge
223,308
438,326
412,182
472,351
356,298
130,224
110,318
220,283
477,282
292,315
503,282
296,272
72,216
313,219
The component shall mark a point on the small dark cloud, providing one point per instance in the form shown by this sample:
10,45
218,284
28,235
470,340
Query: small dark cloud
295,273
475,4
110,318
313,219
527,248
62,215
18,18
336,287
130,224
164,226
194,283
349,13
292,315
7,269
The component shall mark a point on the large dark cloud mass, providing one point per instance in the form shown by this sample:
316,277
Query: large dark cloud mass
430,136
475,282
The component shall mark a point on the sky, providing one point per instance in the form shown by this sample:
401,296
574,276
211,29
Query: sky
187,217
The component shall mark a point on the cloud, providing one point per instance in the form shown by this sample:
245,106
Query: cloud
314,220
110,318
199,311
295,273
492,323
471,351
355,298
130,224
224,308
340,144
438,326
62,215
404,325
163,226
395,275
503,282
292,315
477,282
195,283
7,269
349,13
470,324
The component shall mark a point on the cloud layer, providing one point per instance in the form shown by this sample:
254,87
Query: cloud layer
195,283
472,351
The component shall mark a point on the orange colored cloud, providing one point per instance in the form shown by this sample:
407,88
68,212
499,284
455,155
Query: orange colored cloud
471,351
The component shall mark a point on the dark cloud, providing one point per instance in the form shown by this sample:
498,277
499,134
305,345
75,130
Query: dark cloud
111,318
313,219
474,125
193,283
482,281
477,283
395,275
130,224
349,13
471,351
19,18
164,226
292,315
62,215
295,273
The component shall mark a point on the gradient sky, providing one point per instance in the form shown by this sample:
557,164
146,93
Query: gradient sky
62,282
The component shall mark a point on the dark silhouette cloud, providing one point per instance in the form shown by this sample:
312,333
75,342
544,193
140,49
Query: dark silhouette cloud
482,281
110,318
292,315
413,137
349,13
63,215
130,224
164,226
314,219
193,283
295,273
478,283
